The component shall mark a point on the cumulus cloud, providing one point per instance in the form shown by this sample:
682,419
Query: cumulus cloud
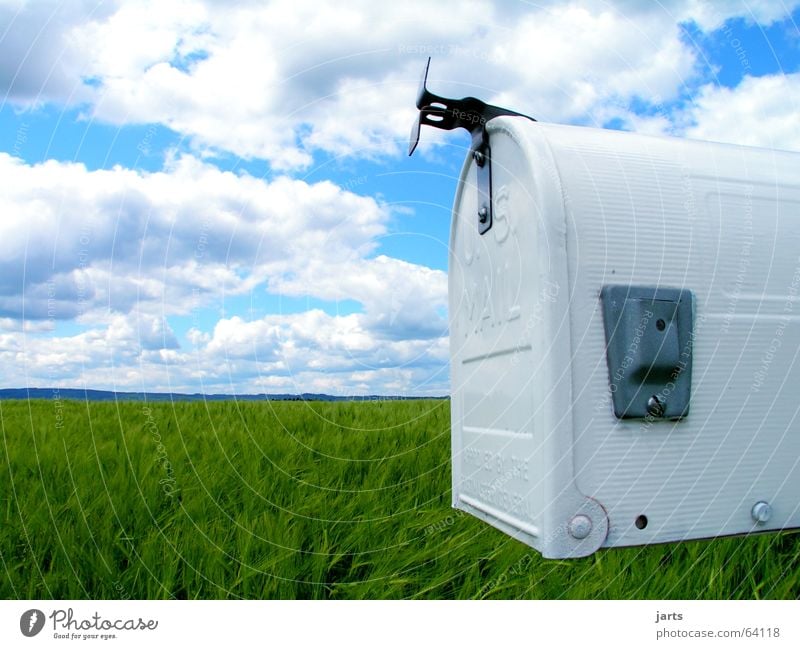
121,251
39,60
73,239
316,340
401,299
306,352
712,15
114,350
760,111
281,80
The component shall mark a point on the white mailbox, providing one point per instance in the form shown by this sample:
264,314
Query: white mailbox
624,333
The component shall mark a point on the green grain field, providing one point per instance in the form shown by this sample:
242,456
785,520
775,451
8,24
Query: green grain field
297,500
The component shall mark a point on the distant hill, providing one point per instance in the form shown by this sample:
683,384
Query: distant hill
110,395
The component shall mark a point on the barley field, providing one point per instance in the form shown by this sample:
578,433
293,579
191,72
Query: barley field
297,500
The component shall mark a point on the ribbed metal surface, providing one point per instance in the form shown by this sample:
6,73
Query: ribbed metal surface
725,223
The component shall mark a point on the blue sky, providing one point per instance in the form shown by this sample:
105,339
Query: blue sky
201,196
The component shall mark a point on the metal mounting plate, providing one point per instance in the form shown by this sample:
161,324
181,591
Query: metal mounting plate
649,350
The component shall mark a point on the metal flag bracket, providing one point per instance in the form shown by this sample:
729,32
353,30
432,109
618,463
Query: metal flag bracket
469,113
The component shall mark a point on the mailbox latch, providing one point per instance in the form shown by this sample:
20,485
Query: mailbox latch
471,114
649,350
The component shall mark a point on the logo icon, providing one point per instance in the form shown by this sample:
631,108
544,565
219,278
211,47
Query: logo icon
31,622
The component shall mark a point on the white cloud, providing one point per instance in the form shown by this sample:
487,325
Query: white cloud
144,331
73,240
760,111
348,84
38,60
272,72
342,350
280,80
618,59
712,15
121,251
400,298
64,360
306,352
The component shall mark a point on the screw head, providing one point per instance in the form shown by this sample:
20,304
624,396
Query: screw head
479,158
761,512
483,214
580,527
655,407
